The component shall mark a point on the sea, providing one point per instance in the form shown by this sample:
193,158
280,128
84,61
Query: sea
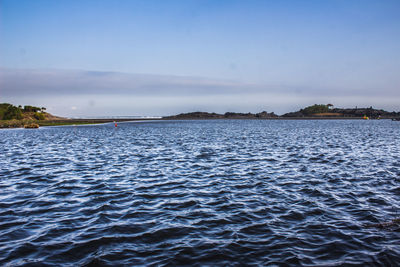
202,193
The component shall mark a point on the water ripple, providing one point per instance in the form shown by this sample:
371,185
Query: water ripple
201,193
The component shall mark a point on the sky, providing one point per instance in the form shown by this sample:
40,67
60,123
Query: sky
153,58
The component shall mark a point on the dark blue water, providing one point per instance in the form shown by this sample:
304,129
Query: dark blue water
201,193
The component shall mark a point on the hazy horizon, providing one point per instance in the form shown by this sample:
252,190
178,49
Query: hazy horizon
155,58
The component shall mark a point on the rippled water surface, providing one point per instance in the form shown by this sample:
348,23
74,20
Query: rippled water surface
226,192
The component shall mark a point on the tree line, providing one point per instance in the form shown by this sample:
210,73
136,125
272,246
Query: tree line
11,112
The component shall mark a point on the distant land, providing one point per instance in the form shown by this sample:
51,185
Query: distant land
33,117
317,111
28,116
227,115
328,110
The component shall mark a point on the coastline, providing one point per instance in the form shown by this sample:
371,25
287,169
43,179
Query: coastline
34,117
63,122
71,122
278,118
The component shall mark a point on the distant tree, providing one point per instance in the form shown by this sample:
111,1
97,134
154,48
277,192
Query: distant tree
3,108
12,112
310,110
31,109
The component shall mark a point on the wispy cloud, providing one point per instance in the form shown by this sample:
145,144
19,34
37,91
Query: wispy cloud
94,92
20,82
74,82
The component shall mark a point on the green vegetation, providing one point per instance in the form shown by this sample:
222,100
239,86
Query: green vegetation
310,110
31,109
12,116
39,116
33,117
11,112
328,111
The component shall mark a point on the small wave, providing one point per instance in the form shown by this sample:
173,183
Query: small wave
202,193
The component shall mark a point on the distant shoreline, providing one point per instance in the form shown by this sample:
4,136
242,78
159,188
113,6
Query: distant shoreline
278,119
66,122
76,122
35,117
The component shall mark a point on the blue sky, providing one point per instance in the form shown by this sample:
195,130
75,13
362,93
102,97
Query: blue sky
163,57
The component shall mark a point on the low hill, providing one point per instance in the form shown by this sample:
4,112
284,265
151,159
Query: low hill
17,116
328,111
227,115
11,112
